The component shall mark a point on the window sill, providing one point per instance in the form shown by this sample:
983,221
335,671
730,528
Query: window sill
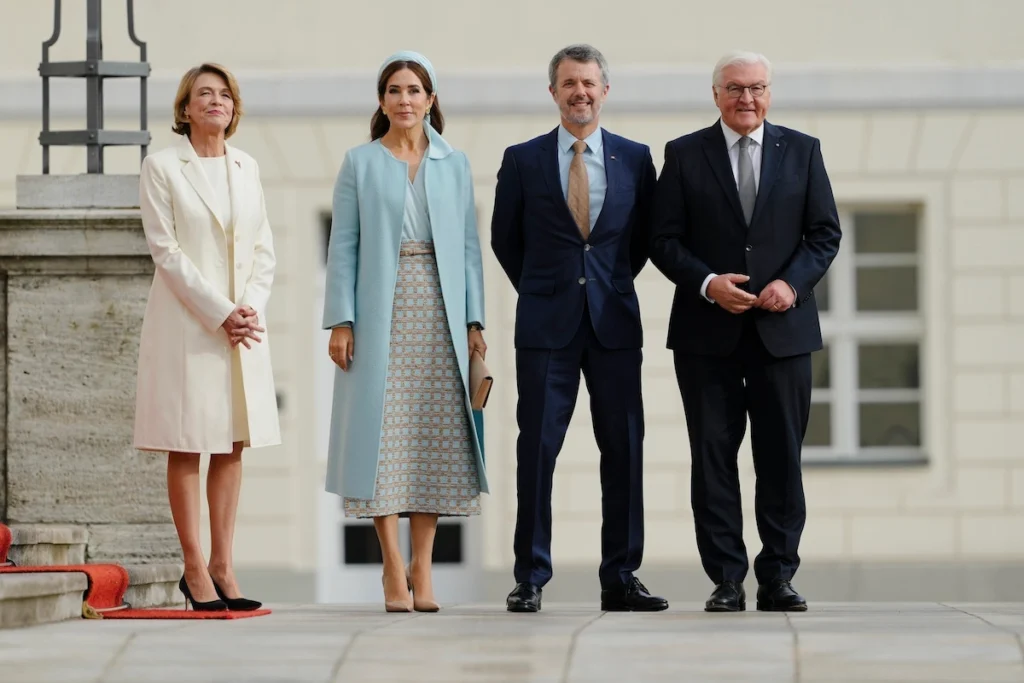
867,460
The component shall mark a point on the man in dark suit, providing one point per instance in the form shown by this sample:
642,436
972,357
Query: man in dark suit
571,229
745,225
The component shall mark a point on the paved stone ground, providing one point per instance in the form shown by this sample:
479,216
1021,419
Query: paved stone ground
325,643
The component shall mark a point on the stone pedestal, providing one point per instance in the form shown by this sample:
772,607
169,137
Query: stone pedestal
74,286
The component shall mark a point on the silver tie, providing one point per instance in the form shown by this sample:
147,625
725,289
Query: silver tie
748,191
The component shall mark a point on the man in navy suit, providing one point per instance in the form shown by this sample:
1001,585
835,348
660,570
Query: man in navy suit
571,228
745,225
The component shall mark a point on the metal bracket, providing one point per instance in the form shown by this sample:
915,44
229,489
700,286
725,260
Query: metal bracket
94,70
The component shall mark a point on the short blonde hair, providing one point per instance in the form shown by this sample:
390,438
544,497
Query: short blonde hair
181,124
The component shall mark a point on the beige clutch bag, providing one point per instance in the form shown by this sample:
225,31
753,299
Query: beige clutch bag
480,382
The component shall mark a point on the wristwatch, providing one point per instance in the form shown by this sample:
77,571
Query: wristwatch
475,326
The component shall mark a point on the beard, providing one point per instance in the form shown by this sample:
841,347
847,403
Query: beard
580,118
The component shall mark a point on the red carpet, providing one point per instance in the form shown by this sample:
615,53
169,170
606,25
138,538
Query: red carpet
104,598
180,613
5,543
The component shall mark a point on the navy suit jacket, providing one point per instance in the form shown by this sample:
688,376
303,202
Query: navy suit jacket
699,228
560,276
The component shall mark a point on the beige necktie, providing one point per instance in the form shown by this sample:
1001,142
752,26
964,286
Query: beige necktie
579,190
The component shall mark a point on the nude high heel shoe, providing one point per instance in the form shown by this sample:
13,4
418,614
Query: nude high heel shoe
395,605
420,605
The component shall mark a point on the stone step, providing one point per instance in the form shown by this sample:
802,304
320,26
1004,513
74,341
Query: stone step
153,585
40,598
47,545
28,599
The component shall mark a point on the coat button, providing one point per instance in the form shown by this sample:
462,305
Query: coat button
586,248
582,281
750,248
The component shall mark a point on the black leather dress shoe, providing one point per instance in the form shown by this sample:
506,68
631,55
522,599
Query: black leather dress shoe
525,597
779,596
728,596
631,597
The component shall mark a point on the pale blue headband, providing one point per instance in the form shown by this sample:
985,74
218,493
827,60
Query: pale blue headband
409,56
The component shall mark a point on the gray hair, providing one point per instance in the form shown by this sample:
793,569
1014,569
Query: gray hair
578,53
741,57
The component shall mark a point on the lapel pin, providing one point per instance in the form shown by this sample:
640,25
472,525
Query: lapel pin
238,163
611,156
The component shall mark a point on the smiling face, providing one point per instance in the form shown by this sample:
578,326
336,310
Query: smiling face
210,106
579,91
405,100
735,96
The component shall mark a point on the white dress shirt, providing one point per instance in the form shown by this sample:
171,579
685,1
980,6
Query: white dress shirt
732,143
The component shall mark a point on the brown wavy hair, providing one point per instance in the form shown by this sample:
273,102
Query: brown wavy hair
181,100
379,123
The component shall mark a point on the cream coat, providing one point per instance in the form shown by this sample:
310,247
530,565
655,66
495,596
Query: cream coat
183,399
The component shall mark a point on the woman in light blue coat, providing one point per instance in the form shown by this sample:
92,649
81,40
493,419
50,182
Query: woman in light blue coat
405,304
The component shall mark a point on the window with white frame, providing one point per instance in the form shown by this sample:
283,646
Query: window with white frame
866,401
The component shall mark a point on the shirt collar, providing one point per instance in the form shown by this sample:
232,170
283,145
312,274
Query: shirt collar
732,137
565,140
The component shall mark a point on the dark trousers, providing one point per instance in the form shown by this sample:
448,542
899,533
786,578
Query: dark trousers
548,382
718,396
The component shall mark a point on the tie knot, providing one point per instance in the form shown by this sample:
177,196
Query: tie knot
580,146
744,142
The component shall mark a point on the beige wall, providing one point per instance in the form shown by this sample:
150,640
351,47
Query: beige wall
965,167
477,34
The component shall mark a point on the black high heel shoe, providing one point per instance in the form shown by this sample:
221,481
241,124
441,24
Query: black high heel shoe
236,604
211,606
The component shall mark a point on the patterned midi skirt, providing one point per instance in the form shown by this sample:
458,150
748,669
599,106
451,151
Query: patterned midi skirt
427,463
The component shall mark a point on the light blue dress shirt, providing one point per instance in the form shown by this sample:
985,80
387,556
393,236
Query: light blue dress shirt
593,159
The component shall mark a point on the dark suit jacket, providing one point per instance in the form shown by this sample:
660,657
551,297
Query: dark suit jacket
557,274
699,229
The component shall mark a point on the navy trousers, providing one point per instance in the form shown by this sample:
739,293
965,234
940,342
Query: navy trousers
719,394
548,382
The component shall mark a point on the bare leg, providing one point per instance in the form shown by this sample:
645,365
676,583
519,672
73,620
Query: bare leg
223,483
183,494
423,528
396,592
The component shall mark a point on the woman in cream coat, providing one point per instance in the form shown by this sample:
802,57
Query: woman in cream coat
205,383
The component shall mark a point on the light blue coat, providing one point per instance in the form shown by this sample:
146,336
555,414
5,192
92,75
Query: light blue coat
362,268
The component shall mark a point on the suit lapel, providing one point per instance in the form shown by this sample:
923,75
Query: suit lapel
236,185
771,157
549,162
718,157
195,176
612,172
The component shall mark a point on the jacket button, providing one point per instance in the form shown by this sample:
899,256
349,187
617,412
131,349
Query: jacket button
582,281
750,248
586,248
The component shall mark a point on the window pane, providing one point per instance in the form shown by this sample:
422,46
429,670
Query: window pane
888,366
360,545
890,424
819,427
887,288
821,293
821,371
448,543
885,233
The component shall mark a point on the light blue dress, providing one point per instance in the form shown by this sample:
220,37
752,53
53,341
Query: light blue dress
427,462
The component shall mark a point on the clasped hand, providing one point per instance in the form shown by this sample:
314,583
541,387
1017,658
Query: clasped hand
776,297
242,326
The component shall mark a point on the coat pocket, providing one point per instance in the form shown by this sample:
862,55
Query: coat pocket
623,285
